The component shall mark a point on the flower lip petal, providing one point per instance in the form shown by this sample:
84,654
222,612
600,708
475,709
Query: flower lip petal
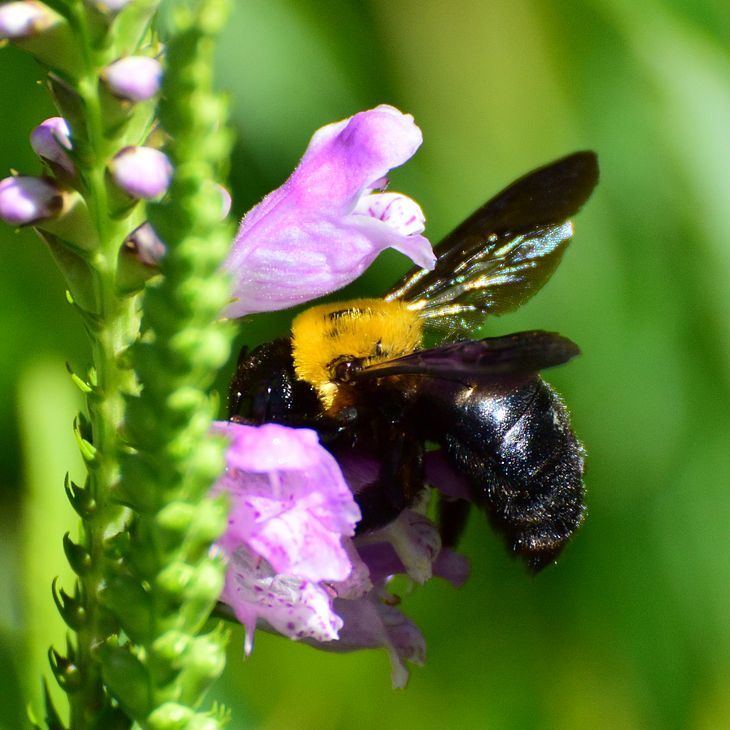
399,211
291,606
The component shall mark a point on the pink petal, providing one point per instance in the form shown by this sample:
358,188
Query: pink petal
289,501
370,622
291,606
400,212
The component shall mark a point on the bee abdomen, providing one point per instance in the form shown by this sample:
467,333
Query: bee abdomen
528,477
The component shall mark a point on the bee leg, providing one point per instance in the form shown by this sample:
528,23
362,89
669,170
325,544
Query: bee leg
452,518
400,479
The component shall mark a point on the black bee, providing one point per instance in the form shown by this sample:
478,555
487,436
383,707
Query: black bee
356,372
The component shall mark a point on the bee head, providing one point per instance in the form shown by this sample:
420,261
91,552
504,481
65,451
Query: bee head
331,342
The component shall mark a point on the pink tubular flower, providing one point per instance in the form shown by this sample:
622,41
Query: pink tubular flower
324,226
290,512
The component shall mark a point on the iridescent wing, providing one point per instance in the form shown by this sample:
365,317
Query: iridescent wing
504,252
492,358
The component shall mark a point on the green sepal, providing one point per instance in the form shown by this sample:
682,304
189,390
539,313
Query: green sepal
204,349
127,120
80,498
75,269
69,104
131,605
77,555
67,674
116,546
171,648
174,579
87,449
80,383
72,227
71,608
210,522
199,525
175,519
53,719
126,678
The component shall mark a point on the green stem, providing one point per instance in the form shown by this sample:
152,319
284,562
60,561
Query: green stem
112,327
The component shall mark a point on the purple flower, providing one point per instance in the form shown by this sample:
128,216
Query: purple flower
25,201
50,140
24,19
141,172
293,568
290,512
136,78
325,225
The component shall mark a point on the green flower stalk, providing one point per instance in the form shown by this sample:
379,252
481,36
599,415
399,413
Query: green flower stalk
146,581
170,577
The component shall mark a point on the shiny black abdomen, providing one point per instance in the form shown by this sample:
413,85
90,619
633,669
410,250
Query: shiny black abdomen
514,444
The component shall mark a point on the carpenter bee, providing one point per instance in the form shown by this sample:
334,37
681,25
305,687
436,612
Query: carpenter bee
358,373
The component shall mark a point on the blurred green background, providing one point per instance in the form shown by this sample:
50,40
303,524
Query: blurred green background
632,627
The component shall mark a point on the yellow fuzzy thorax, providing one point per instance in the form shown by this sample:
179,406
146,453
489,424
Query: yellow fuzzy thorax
371,329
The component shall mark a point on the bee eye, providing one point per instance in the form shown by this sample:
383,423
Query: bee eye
345,370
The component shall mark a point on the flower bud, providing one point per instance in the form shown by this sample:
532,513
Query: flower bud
41,31
28,200
24,19
144,243
49,141
111,7
141,172
135,78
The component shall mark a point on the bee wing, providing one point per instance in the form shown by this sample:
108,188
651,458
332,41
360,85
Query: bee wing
504,252
493,358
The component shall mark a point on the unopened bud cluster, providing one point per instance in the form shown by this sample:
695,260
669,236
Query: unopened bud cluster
127,87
